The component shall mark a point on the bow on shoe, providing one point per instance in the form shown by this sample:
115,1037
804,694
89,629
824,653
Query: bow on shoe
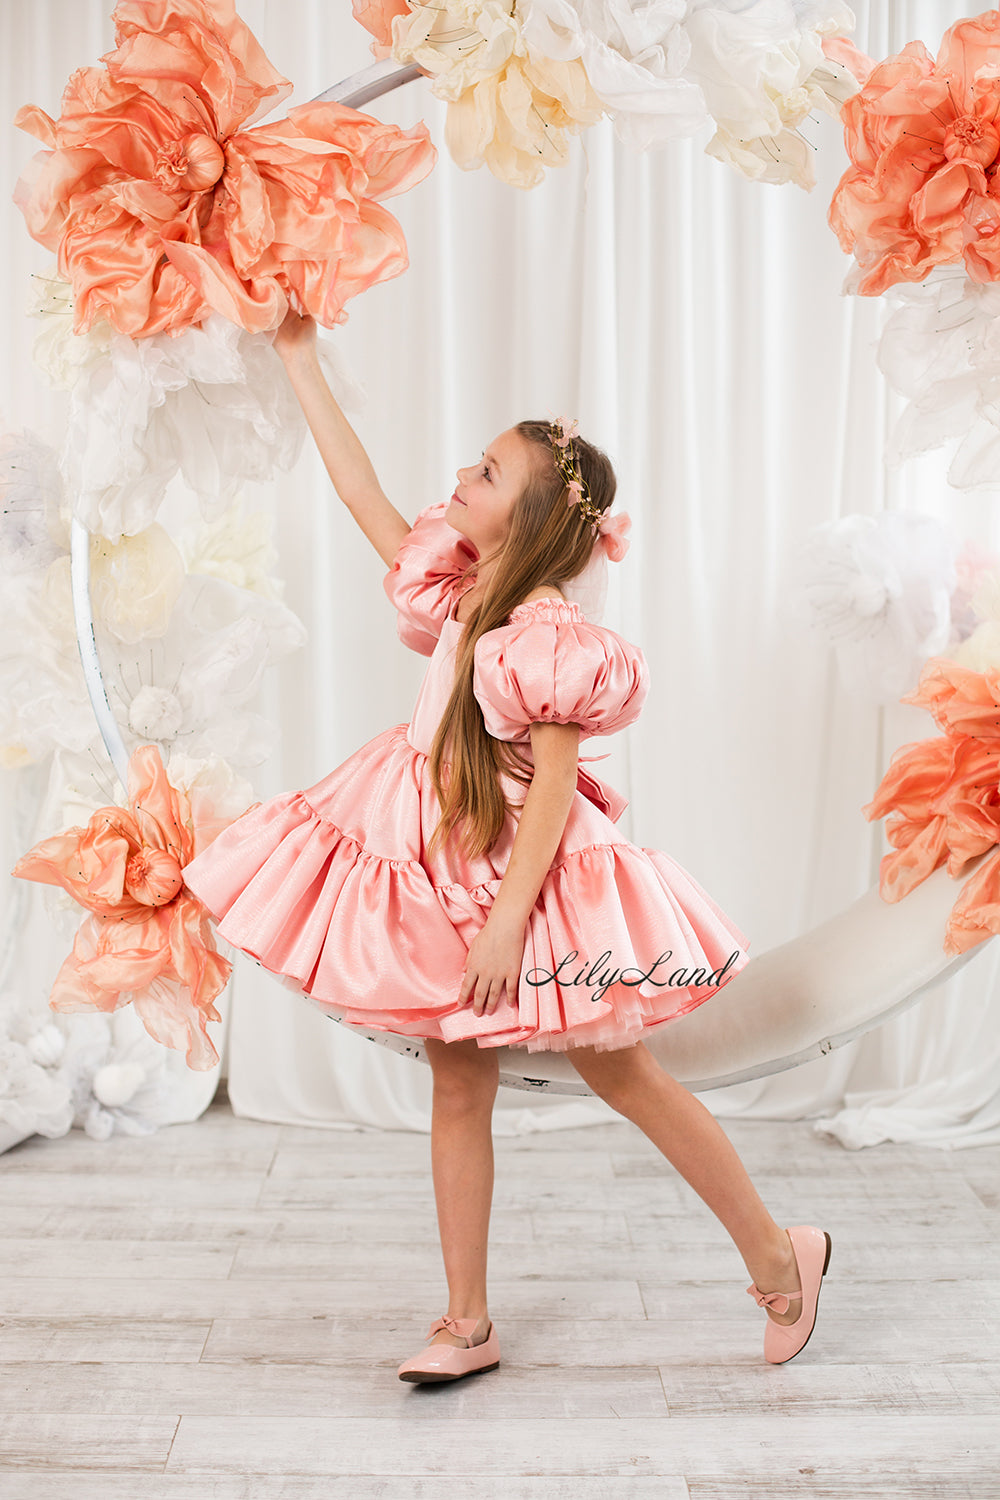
453,1326
769,1299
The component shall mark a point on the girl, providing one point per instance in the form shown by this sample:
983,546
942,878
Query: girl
460,878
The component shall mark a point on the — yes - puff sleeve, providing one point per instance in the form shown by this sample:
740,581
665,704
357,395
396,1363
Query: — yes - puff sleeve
548,664
425,577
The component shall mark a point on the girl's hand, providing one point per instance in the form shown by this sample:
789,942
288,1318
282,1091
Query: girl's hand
493,964
295,336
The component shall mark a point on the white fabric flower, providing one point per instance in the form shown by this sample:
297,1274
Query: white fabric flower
763,70
879,589
659,68
32,532
43,700
218,796
34,1096
508,109
46,1045
59,353
135,583
985,601
218,641
975,567
980,649
459,43
155,714
135,586
120,1078
238,548
118,1083
634,53
213,404
941,349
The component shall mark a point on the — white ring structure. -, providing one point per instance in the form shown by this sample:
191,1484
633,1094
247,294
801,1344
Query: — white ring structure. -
794,1003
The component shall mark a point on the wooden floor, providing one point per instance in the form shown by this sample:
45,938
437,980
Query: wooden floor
216,1312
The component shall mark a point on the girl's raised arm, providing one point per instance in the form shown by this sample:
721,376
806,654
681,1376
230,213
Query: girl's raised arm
347,463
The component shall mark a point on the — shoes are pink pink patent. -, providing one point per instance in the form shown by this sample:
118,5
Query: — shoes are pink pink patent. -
782,1341
448,1361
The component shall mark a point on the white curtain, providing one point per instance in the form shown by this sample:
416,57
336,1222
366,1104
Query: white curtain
694,323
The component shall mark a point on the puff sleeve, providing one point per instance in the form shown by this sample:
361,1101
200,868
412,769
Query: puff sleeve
548,664
425,577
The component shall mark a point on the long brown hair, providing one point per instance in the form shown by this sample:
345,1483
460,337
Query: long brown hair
548,542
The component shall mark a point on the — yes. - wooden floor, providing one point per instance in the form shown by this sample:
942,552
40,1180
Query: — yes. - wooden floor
216,1312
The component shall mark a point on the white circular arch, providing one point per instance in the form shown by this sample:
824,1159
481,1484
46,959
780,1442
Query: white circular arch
786,1006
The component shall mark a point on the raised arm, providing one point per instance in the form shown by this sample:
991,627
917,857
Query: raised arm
341,450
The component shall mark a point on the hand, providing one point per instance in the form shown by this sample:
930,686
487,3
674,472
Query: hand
296,335
493,964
